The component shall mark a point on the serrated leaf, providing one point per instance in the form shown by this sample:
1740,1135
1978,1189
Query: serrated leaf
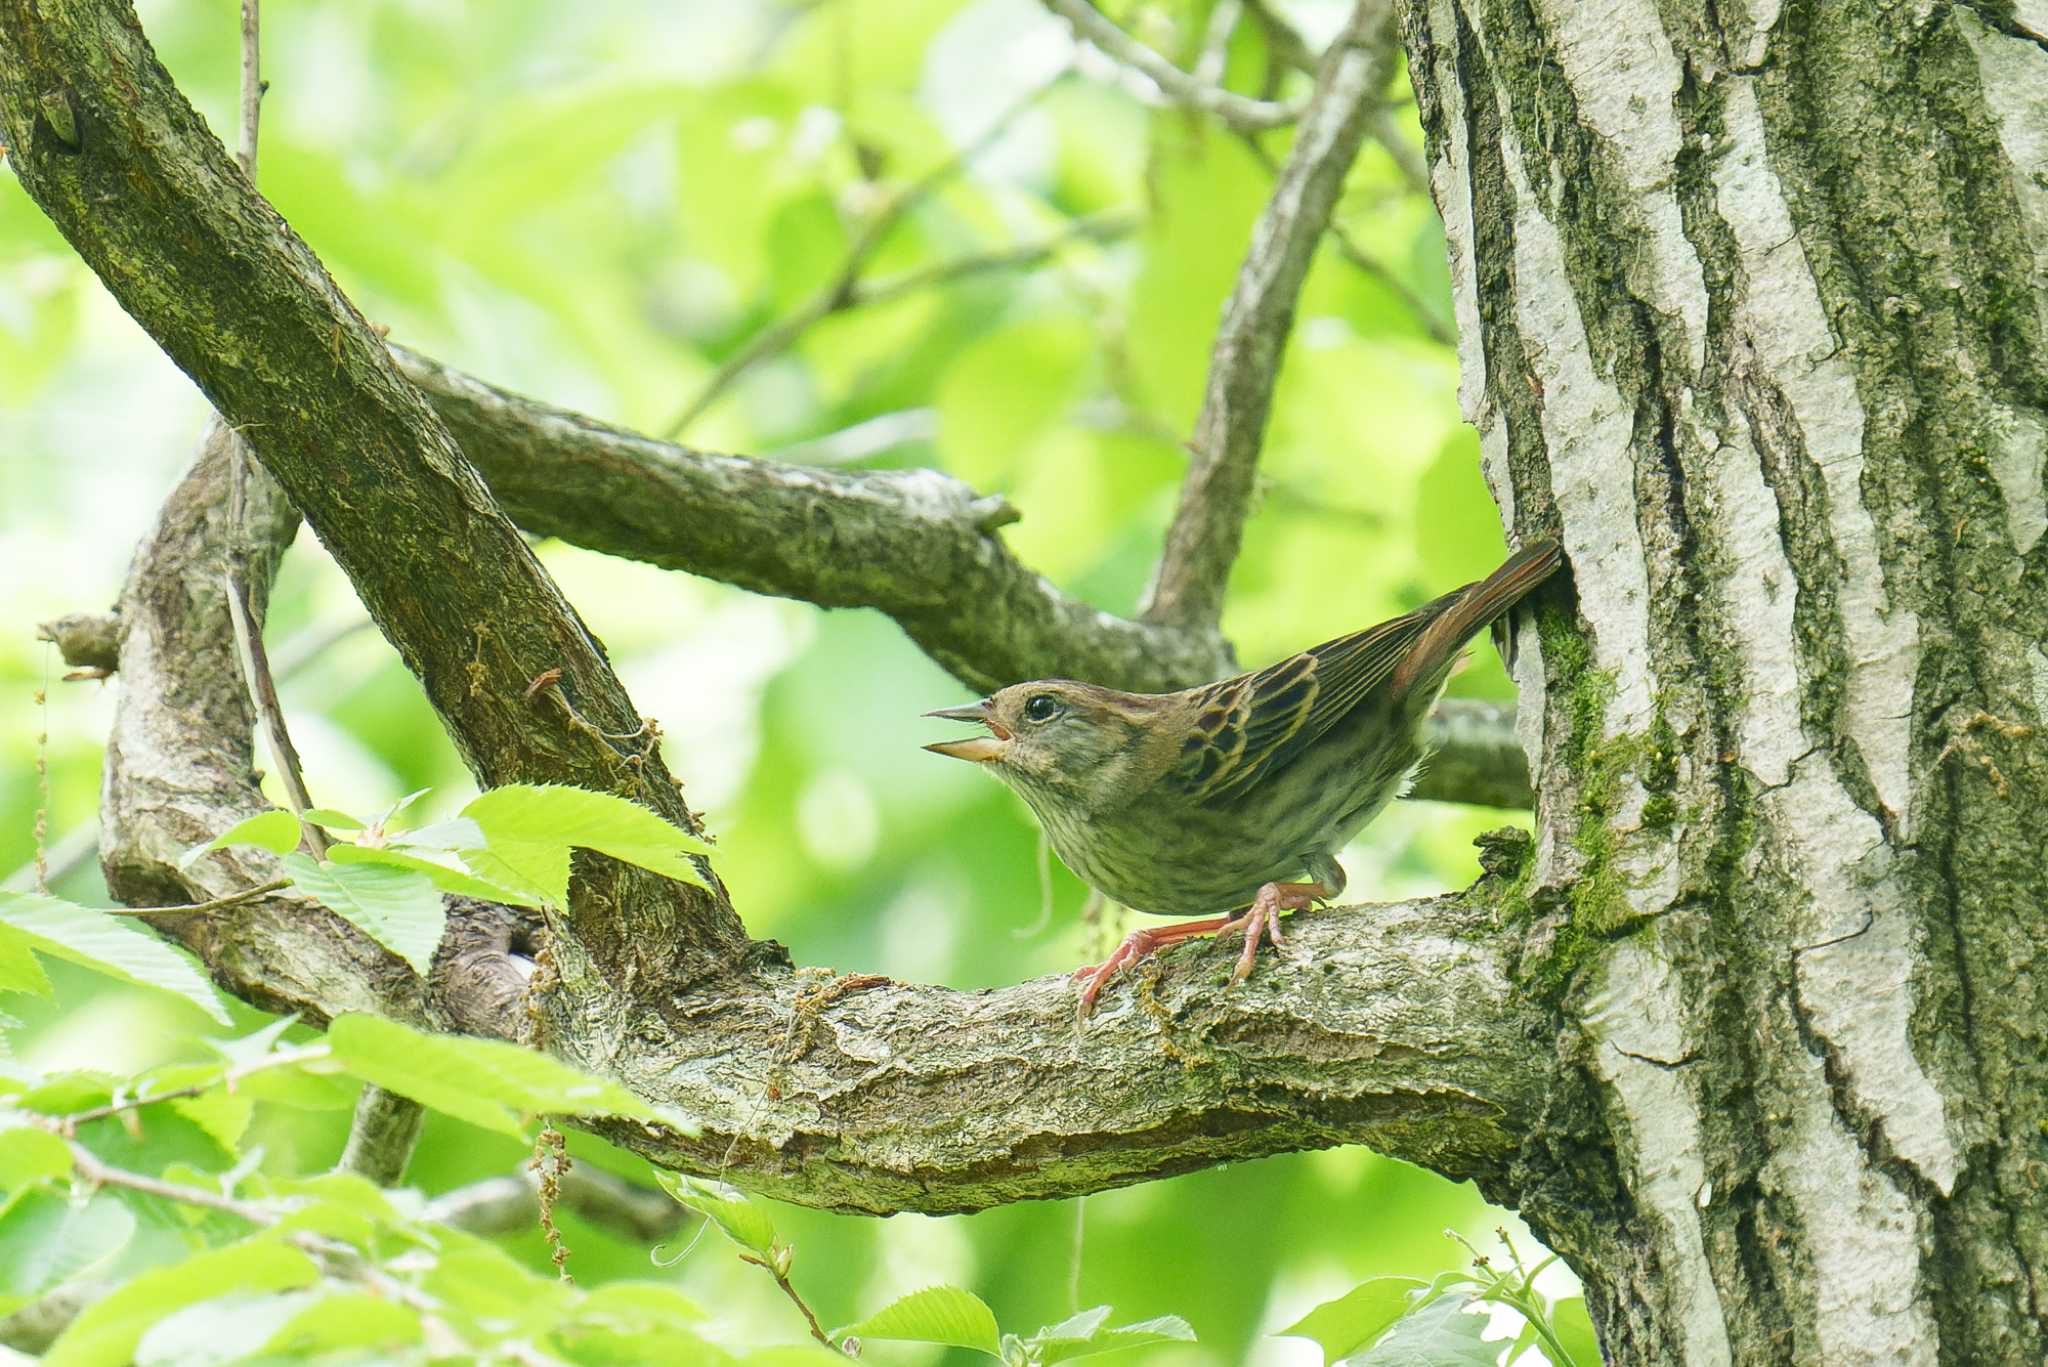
85,935
488,1083
331,819
276,830
1439,1334
1357,1317
526,814
441,869
222,1114
1574,1330
737,1215
50,1240
19,971
539,872
28,1155
1084,1335
937,1314
399,909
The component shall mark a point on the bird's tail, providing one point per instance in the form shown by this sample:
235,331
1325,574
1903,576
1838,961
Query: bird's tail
1474,606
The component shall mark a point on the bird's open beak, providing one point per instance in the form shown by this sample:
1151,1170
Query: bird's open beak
978,749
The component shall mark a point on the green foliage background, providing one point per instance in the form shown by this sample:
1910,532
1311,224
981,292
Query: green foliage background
596,204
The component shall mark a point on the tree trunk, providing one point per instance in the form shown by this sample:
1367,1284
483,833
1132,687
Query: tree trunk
1752,308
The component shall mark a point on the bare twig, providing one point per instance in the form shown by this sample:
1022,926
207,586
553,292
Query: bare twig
206,908
95,1173
1239,111
229,1078
510,1204
252,84
1292,50
381,1136
841,292
262,687
780,1271
1216,497
1348,248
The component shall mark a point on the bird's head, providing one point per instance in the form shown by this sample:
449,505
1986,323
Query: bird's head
1055,738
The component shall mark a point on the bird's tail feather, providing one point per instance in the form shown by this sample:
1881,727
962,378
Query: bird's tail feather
1473,607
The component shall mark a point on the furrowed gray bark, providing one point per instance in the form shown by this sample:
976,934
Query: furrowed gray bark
1751,307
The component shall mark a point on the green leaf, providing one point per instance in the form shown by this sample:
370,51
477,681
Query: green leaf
442,869
488,1083
738,1216
1574,1330
1439,1334
222,1114
215,1332
1357,1317
399,909
275,830
354,1319
552,816
85,935
49,1240
19,971
331,819
1083,1335
539,872
108,1332
938,1314
28,1155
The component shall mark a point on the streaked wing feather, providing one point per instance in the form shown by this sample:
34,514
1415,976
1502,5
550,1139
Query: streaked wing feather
1253,724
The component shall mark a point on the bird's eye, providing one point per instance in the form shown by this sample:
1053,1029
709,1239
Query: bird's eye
1041,707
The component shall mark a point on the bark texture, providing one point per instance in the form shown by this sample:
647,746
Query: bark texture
1751,307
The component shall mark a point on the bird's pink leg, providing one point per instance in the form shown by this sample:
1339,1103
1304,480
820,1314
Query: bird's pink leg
1261,920
1136,946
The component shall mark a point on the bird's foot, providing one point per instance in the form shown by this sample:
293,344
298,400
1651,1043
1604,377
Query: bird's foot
1258,922
1261,920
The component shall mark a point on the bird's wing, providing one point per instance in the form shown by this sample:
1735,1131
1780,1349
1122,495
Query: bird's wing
1256,723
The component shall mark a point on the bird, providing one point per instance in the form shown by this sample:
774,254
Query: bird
1230,800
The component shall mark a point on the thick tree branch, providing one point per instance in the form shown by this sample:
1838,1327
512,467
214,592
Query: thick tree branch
916,544
138,184
1216,497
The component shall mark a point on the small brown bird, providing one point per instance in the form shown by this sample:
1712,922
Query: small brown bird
1221,796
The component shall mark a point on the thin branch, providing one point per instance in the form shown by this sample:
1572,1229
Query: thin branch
781,1275
1348,248
252,84
840,293
509,1205
229,1078
88,1166
208,907
381,1136
256,673
1239,111
1216,497
1291,49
